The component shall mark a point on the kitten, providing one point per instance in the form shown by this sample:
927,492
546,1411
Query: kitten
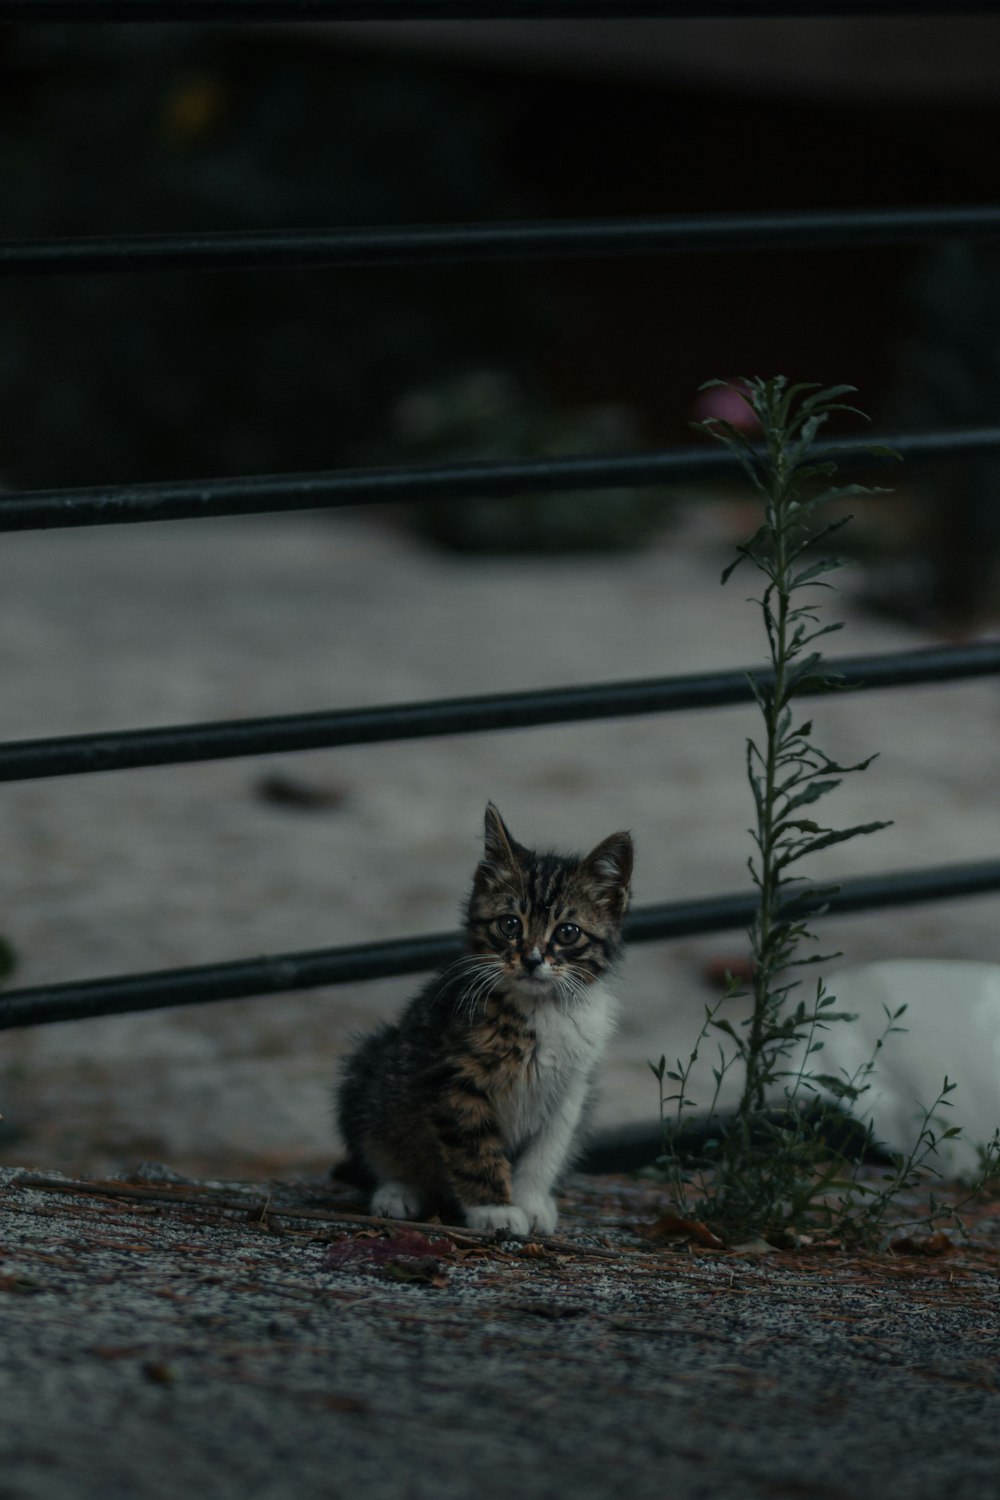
471,1105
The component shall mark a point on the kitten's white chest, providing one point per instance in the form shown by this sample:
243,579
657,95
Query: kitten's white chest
568,1046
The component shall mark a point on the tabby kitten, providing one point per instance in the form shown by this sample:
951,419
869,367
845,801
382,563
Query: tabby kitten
470,1106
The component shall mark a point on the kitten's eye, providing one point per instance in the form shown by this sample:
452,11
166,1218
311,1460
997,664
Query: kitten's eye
509,926
567,933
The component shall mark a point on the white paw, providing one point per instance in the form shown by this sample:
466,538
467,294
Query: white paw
498,1216
540,1210
395,1200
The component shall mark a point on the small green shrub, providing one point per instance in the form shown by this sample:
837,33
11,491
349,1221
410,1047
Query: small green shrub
487,414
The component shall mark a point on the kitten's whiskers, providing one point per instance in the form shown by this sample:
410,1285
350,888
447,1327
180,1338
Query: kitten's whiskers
486,973
572,984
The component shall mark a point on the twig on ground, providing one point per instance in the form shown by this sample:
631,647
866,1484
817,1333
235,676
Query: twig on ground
192,1196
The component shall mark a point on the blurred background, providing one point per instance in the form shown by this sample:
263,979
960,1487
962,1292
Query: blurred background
136,129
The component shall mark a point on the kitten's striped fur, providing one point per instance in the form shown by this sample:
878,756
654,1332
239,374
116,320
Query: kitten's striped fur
471,1104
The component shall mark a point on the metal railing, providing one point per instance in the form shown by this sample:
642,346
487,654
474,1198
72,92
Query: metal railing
356,248
289,11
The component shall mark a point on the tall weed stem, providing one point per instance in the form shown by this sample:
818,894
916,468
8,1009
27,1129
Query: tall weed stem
765,1166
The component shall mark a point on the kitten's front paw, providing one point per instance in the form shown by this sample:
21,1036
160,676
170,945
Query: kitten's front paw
540,1211
396,1200
498,1216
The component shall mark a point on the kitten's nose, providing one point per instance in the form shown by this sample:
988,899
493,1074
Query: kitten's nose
532,960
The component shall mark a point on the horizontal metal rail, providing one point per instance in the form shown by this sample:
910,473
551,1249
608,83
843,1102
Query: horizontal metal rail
256,494
286,972
433,244
469,10
72,755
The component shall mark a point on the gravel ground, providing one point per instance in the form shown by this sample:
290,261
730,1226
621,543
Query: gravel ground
125,627
235,1340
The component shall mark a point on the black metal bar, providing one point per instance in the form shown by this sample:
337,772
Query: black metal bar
422,244
72,755
186,499
80,1000
468,10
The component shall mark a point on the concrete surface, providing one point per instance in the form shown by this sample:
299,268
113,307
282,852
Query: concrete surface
126,627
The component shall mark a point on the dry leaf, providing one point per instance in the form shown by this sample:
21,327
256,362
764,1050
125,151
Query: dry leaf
285,790
400,1255
423,1268
924,1244
671,1226
345,1403
538,1308
20,1286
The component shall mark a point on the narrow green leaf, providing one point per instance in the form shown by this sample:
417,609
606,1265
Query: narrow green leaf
826,840
816,570
881,450
812,793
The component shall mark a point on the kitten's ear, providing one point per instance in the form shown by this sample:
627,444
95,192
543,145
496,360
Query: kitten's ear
608,868
501,850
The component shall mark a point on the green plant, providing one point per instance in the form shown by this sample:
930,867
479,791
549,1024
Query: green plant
773,1171
486,413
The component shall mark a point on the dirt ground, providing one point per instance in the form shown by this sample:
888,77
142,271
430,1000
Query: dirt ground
165,1336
